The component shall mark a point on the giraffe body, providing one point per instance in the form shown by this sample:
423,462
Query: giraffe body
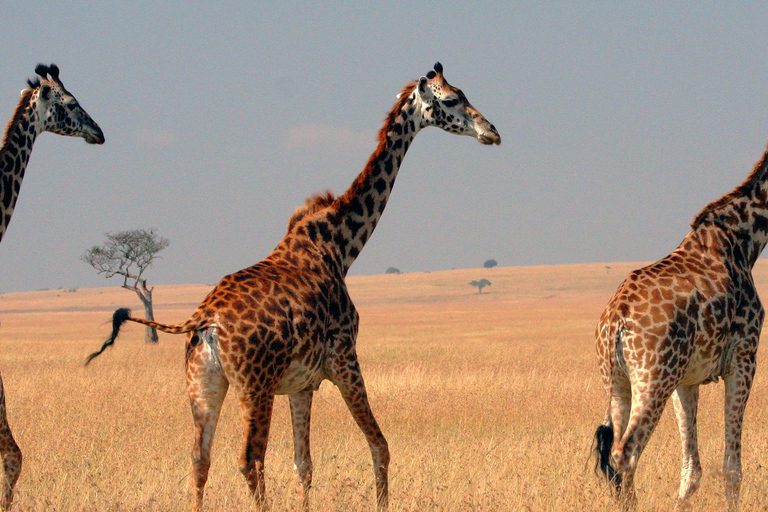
691,318
45,106
287,323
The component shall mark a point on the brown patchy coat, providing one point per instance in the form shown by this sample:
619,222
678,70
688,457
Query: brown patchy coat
284,325
691,318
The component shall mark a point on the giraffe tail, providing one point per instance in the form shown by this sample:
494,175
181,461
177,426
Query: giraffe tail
604,433
602,451
118,319
123,315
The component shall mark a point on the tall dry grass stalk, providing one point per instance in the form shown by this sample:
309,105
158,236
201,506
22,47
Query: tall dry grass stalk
488,401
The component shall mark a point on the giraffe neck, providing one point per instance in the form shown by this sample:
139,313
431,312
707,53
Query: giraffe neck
359,209
19,137
743,215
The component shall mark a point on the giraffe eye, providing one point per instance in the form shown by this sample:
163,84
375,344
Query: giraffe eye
450,103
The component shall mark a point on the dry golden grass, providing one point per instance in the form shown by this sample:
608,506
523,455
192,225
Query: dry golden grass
489,402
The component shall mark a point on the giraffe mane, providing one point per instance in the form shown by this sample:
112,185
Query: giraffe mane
740,191
26,94
359,183
312,205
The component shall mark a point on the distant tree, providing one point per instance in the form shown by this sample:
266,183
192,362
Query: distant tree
490,264
129,254
480,284
393,270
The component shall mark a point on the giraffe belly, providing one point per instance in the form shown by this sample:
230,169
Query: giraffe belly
705,366
300,377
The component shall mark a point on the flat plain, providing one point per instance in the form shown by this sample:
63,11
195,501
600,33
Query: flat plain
489,402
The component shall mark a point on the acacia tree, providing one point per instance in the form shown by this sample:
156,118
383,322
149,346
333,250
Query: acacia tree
480,284
128,254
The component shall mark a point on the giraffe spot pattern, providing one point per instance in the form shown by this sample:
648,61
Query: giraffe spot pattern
691,318
284,325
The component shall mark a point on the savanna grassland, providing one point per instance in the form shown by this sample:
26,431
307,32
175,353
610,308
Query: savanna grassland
489,402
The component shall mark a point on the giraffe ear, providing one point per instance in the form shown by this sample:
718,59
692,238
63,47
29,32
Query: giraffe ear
45,91
424,91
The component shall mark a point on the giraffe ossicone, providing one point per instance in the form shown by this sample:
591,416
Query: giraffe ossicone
287,323
44,106
691,318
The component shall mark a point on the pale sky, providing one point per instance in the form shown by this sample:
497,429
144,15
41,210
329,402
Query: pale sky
619,122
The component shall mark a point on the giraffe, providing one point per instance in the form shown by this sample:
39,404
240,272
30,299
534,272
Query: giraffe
45,106
691,318
287,323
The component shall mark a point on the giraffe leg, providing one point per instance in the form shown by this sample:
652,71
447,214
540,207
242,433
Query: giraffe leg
350,383
11,455
621,407
257,415
737,387
647,406
301,405
686,401
207,386
617,416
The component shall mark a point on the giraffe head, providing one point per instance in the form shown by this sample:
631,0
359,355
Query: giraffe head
58,110
446,107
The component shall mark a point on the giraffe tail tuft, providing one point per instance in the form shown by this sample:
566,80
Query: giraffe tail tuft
602,451
118,319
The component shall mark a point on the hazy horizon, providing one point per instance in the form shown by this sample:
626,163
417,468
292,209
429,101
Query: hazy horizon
618,123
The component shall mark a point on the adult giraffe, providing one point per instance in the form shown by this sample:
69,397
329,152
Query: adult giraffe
45,106
287,323
689,319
